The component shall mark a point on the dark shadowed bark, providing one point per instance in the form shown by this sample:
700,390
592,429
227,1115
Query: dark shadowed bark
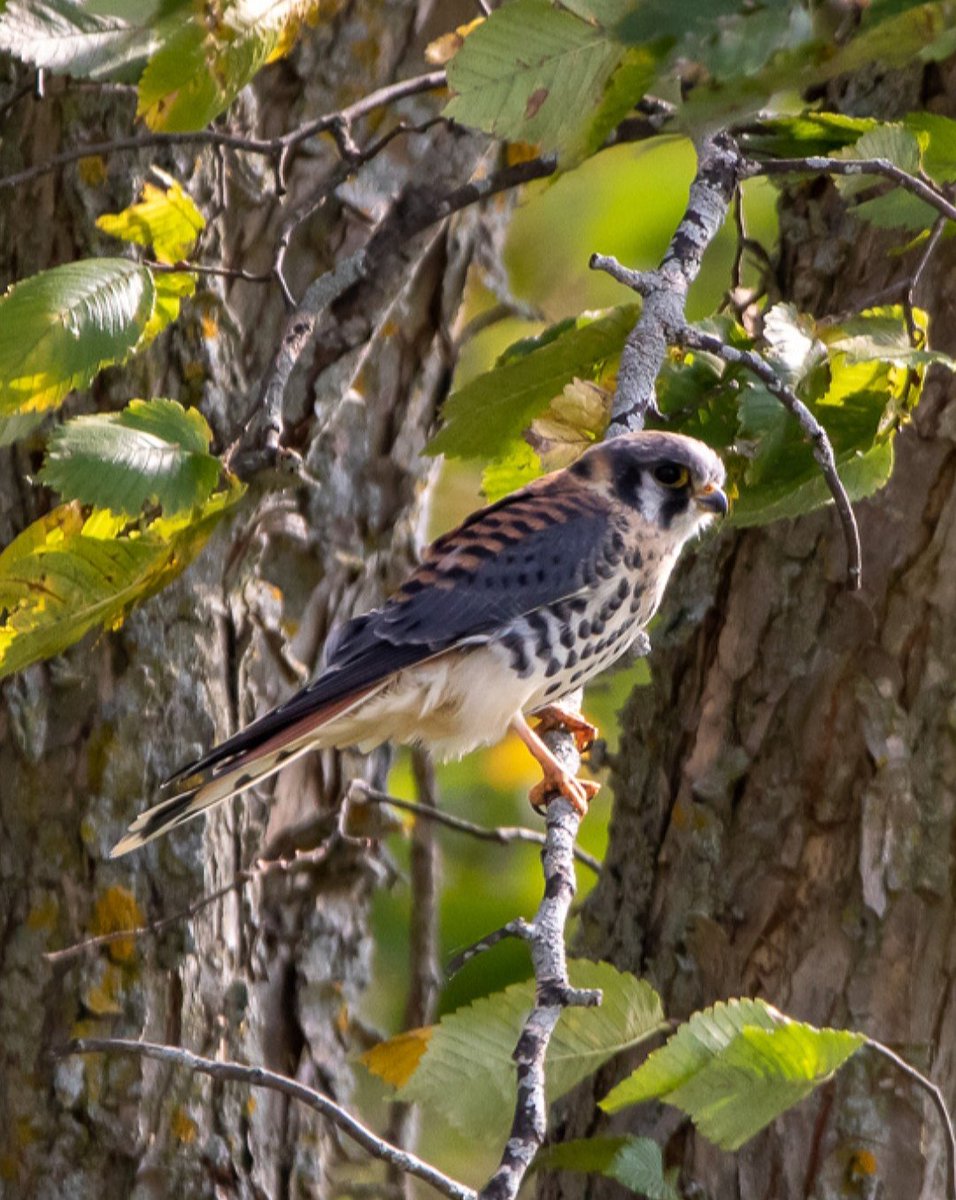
786,792
269,973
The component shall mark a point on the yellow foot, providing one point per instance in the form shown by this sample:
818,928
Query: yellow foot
555,717
560,783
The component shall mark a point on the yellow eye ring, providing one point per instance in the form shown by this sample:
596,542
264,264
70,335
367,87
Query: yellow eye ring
671,475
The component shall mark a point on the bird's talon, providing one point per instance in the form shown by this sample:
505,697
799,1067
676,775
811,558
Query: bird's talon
578,791
555,717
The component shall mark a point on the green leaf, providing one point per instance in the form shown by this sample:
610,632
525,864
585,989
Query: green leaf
66,36
735,1067
207,61
19,425
937,134
154,450
484,418
166,218
476,1043
807,135
536,73
634,1162
881,335
59,328
64,576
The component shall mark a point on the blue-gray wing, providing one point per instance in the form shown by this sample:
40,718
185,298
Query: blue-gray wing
538,547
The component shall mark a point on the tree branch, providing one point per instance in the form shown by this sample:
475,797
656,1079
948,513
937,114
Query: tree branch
553,990
817,435
225,1071
939,1101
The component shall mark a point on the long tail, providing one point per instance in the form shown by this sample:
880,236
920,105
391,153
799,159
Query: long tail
244,760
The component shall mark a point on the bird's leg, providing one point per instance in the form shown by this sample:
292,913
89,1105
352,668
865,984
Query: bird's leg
553,716
556,778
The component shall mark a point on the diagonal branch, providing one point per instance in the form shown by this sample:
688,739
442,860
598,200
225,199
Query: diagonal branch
226,1071
819,441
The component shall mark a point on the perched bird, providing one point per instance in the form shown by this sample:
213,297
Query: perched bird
523,603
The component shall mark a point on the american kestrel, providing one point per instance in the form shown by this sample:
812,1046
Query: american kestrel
522,604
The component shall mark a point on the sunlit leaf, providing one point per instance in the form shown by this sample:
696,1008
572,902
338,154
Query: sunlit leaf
476,1043
202,67
534,73
59,328
735,1067
166,219
171,287
806,135
64,575
154,450
74,38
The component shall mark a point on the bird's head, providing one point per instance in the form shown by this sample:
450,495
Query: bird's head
674,482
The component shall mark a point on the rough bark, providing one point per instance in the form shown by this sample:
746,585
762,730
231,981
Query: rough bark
270,973
786,791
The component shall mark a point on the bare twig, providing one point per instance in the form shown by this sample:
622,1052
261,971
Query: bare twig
817,435
518,928
225,1071
819,165
160,268
939,1101
553,990
503,835
424,973
277,148
302,860
665,289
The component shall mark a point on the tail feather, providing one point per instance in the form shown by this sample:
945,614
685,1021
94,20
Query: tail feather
211,781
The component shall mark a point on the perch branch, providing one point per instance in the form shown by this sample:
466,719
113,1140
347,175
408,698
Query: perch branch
225,1071
553,990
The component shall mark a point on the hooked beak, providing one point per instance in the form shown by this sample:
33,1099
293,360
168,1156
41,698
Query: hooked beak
712,499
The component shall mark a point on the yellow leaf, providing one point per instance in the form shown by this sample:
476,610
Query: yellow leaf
165,218
444,48
396,1060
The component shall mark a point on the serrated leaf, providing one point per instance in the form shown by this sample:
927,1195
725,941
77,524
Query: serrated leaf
735,1067
207,61
153,451
65,36
484,417
795,348
534,73
64,576
761,1074
634,1162
518,467
881,335
476,1043
165,218
59,328
893,142
937,136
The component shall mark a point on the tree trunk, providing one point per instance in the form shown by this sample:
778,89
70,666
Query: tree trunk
786,790
269,973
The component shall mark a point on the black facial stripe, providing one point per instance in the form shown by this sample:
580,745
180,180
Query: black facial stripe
672,506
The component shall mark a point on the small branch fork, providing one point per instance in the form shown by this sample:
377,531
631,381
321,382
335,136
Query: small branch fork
662,322
224,1071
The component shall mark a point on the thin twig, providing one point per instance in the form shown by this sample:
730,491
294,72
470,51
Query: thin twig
818,165
518,928
817,435
160,268
936,1095
425,977
225,1071
503,835
276,148
302,860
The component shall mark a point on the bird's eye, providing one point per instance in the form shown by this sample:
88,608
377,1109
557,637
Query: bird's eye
671,475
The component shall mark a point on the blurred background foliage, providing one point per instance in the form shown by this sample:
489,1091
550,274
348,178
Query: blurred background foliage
624,202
